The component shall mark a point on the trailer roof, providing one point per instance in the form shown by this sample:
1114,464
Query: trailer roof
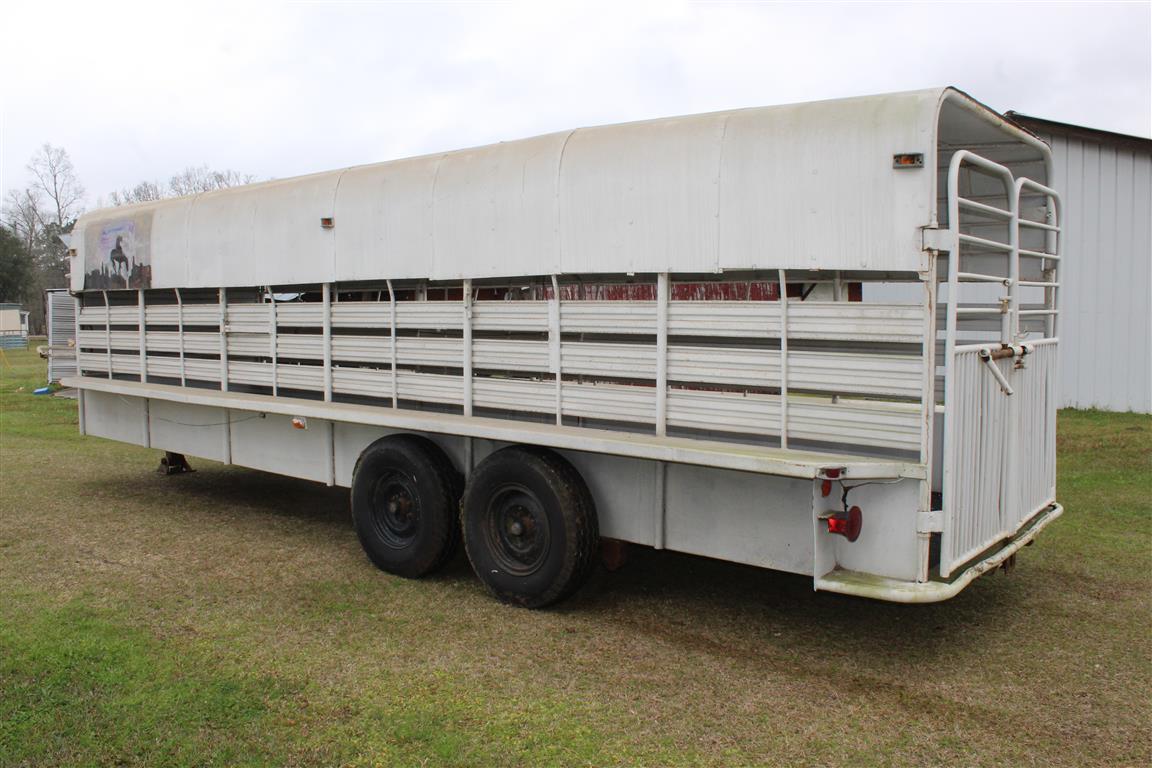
801,186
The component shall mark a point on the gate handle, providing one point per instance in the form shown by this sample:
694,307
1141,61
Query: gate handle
987,356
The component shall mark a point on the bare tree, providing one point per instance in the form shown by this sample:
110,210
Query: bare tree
54,176
144,192
23,214
196,179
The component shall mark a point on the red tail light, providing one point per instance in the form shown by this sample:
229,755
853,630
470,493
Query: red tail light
846,524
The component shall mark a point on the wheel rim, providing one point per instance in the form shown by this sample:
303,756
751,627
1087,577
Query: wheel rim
395,510
517,530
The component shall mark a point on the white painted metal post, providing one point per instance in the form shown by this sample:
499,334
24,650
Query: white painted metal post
554,352
467,345
949,443
274,341
662,298
1013,265
660,507
928,389
326,295
140,324
783,299
107,331
79,370
392,326
223,320
180,336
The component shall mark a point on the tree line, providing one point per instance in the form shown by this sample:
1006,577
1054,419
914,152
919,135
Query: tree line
33,258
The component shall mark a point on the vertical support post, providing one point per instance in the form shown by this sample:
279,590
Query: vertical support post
659,521
140,325
107,331
554,352
837,286
927,409
467,347
928,385
1053,245
80,411
326,295
274,341
147,426
662,297
79,304
392,326
227,436
223,320
330,433
948,486
1013,320
783,359
180,336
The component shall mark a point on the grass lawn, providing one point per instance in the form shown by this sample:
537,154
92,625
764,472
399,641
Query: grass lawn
228,617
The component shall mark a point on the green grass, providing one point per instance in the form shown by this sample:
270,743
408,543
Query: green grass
228,617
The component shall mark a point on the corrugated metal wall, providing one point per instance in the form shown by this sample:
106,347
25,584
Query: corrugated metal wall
1106,314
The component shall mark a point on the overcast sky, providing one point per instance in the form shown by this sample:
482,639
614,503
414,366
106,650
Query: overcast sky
275,90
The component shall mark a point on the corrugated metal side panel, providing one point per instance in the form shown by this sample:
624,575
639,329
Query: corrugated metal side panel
1106,315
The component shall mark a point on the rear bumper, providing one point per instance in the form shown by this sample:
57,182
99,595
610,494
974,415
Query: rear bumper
895,591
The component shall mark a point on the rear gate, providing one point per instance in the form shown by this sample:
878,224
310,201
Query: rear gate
999,467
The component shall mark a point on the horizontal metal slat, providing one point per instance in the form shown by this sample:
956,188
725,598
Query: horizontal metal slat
201,343
300,314
430,387
249,318
510,316
636,361
724,411
430,315
307,377
363,382
361,314
610,402
608,317
510,354
855,321
514,394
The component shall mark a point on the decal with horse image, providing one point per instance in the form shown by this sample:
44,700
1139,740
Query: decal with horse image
117,254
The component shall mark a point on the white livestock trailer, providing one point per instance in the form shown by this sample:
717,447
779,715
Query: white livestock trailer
649,332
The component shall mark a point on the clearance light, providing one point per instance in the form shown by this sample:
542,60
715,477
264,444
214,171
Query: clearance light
908,160
846,524
327,222
299,422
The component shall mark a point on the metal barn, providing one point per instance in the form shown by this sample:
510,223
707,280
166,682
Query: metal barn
1106,323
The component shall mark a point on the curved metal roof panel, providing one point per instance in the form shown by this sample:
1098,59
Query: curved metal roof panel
807,186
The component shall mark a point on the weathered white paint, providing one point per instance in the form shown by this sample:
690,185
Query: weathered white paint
789,187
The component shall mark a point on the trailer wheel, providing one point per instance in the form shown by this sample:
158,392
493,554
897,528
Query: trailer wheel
405,505
530,527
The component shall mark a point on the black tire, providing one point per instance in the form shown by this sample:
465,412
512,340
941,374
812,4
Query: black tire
405,505
530,527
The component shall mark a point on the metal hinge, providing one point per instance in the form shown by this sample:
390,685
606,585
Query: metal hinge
930,522
938,239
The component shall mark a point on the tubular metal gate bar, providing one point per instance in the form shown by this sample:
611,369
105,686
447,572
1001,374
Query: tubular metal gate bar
1000,397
